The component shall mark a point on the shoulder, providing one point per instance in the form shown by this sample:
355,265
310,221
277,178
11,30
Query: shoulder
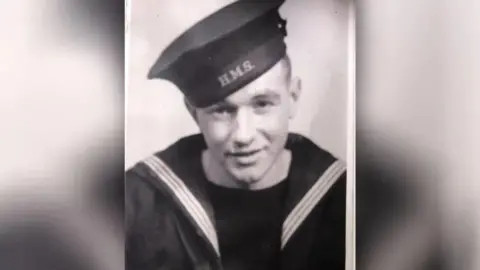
310,156
314,169
301,143
174,158
177,152
140,180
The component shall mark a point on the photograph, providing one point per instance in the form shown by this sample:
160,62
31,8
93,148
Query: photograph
236,134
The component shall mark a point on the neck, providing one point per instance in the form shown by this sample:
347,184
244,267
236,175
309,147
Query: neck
276,173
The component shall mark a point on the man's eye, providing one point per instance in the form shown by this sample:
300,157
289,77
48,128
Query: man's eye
223,111
263,105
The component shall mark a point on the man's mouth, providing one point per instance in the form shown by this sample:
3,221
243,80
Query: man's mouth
245,158
244,153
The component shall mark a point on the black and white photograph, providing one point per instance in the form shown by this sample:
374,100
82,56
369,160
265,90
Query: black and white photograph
236,134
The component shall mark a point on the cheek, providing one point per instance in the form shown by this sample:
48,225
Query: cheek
274,123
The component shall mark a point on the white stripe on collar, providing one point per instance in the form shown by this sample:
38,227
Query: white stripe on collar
311,199
186,197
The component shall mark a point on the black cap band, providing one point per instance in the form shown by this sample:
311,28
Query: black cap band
229,78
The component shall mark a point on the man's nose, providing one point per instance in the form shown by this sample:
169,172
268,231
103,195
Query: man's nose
244,130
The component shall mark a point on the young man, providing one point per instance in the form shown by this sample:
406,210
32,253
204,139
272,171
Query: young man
245,193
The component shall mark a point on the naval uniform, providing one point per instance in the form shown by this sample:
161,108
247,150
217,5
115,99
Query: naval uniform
176,219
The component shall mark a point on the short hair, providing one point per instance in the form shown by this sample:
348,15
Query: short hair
286,64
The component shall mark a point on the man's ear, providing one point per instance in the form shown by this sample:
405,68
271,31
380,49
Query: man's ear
295,92
190,108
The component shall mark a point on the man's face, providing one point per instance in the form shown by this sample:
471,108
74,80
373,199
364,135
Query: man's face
247,131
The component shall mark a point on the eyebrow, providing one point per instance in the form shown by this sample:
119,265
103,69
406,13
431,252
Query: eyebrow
268,93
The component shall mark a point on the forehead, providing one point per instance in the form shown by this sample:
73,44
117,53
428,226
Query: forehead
272,82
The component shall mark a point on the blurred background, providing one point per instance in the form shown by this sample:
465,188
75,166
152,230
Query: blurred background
317,43
62,115
62,131
418,125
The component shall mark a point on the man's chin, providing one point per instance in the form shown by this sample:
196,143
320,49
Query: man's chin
245,178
